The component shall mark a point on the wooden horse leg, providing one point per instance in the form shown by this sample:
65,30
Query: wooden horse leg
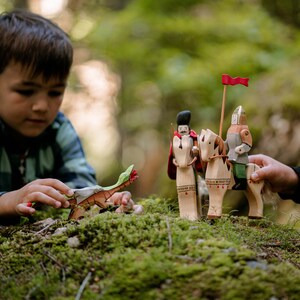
253,194
216,193
217,180
186,191
187,201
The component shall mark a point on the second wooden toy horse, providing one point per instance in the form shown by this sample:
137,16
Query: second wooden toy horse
219,177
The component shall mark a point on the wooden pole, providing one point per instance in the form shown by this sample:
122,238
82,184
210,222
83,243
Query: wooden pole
222,111
171,132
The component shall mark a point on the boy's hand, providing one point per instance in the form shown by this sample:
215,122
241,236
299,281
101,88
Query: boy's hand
125,202
47,191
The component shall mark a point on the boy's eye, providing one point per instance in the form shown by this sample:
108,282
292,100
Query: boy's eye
55,93
26,93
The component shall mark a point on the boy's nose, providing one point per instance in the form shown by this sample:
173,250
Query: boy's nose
41,104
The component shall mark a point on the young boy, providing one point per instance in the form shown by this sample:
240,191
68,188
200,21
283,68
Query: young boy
41,157
283,179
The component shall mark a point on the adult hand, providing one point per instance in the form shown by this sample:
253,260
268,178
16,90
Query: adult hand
281,177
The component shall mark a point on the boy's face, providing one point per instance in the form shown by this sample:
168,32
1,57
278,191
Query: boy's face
28,105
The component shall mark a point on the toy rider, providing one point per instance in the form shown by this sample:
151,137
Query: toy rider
239,143
183,129
183,159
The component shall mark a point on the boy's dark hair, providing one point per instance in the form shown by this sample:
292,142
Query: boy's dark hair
36,43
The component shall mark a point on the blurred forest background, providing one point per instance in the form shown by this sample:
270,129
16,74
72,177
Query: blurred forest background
139,62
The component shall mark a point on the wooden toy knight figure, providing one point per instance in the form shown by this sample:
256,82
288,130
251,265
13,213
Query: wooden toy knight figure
239,143
183,159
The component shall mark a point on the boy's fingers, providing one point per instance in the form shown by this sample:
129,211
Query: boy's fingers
45,198
126,198
121,198
54,197
66,204
57,185
24,210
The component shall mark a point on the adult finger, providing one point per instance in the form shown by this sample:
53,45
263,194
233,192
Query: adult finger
265,173
260,159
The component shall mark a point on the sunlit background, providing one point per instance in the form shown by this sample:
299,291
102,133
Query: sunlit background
90,101
138,63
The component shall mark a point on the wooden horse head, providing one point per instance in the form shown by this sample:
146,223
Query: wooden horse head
211,145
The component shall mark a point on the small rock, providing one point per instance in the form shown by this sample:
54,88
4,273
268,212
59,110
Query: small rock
200,241
59,231
255,264
138,209
44,223
73,242
230,250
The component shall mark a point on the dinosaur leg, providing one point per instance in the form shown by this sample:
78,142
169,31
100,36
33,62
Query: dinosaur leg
76,213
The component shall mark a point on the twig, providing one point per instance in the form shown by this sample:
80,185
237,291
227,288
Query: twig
169,234
48,254
63,275
275,244
45,271
82,286
45,228
28,296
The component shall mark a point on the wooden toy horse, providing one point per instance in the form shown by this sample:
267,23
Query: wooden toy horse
219,177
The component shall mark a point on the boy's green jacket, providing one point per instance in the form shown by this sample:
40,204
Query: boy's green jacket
57,153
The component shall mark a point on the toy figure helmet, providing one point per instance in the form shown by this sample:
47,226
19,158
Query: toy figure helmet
183,122
239,116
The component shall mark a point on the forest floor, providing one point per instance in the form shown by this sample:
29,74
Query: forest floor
156,255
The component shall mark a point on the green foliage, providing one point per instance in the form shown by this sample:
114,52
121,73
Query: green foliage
5,5
152,256
183,54
166,6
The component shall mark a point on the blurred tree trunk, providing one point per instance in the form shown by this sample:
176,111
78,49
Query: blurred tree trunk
287,11
21,4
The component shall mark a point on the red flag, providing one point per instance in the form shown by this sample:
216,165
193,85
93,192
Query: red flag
226,79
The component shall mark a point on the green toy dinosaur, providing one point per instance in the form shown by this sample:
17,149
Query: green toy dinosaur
100,196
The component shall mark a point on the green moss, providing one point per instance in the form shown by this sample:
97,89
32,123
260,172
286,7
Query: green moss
153,256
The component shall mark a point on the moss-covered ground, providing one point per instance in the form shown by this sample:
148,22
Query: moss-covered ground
156,255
